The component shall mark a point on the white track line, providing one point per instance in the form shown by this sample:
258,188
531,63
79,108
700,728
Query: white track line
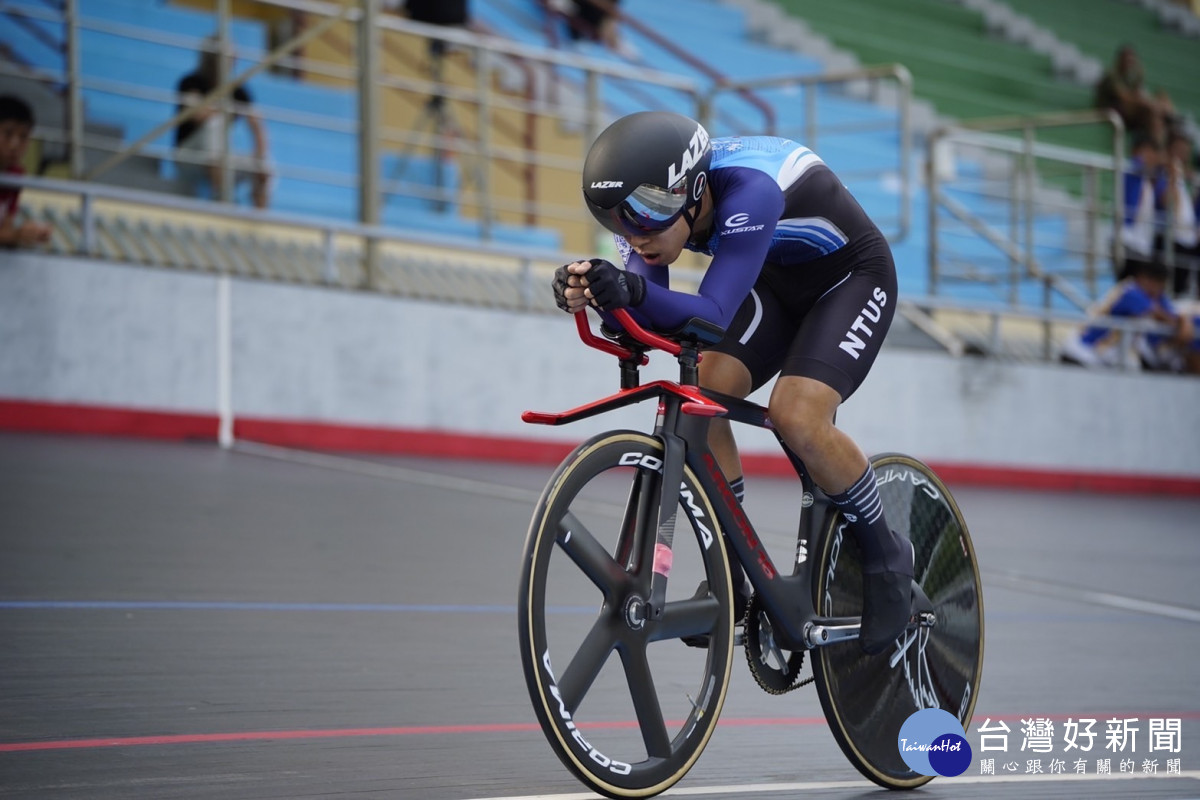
738,790
374,469
434,480
1024,583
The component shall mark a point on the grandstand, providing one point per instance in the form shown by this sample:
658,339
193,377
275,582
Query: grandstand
988,58
480,147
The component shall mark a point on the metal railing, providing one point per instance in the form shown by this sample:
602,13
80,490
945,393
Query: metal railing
992,320
110,222
667,44
1016,197
498,163
505,177
102,221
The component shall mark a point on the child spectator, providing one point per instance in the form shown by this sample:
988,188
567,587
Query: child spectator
16,123
1140,296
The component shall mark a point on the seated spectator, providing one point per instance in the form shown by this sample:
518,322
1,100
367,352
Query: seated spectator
594,22
1179,353
1140,296
202,137
16,123
1142,176
1190,351
1122,89
454,13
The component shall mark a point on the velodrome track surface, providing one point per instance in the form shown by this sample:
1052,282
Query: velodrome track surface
178,621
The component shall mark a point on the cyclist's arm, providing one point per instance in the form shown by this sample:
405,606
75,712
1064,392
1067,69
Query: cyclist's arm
753,203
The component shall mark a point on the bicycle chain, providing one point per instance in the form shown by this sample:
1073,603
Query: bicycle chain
770,679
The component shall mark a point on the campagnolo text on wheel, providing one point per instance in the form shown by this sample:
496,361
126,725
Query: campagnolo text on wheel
642,571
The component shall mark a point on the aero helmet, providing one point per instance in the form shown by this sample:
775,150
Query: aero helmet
645,171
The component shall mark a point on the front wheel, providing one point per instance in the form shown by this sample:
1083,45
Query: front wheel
867,698
625,705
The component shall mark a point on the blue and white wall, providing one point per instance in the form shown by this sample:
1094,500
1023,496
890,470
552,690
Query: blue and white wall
84,340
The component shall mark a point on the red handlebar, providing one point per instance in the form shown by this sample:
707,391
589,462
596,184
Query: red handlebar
635,331
648,338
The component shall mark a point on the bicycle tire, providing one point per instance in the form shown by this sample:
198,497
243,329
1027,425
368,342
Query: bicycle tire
581,547
867,698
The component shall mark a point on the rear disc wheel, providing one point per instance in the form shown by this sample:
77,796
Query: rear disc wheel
867,698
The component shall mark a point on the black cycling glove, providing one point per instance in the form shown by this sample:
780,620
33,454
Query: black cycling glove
560,286
614,288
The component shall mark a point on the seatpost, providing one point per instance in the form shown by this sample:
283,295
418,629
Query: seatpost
689,359
630,377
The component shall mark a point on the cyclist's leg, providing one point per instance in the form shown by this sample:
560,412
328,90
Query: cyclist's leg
750,354
724,373
735,367
938,663
803,411
827,361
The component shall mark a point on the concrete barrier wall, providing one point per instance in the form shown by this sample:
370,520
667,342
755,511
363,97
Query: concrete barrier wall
98,335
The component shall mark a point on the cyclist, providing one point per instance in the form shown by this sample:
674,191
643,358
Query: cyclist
802,281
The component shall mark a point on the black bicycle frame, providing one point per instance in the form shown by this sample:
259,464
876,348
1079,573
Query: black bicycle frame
684,414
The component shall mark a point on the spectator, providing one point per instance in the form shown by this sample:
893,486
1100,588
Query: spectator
16,123
1140,296
595,21
1179,199
1142,176
454,13
1191,350
1122,89
1180,353
202,136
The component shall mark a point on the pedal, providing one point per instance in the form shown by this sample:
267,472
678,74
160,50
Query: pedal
701,641
740,603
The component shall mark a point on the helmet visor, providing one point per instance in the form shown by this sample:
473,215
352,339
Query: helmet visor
650,209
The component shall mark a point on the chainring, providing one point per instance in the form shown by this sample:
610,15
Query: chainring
776,671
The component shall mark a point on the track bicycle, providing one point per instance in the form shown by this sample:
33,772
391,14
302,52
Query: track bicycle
629,553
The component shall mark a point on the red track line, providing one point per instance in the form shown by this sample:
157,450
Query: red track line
514,727
29,415
337,733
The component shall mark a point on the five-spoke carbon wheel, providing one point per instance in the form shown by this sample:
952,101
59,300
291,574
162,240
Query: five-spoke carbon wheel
626,706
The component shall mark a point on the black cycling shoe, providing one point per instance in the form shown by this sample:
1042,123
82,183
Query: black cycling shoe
887,605
741,599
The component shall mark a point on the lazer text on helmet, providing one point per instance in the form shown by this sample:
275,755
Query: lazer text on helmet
690,158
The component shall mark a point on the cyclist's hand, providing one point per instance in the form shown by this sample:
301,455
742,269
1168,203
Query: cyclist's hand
569,287
609,287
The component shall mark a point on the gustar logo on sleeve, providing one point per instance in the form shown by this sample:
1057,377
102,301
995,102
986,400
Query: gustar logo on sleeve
690,157
736,223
